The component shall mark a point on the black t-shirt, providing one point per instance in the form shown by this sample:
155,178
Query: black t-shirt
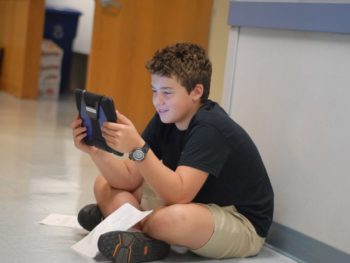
214,143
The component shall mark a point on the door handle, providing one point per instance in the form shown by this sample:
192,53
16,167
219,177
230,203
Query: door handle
110,3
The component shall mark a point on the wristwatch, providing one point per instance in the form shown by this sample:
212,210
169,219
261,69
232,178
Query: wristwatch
139,154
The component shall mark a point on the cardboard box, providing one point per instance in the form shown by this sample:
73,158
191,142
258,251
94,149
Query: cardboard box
50,69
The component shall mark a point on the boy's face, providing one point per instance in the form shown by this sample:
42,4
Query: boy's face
172,101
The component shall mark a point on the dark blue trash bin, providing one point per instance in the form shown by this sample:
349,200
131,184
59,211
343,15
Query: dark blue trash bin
61,27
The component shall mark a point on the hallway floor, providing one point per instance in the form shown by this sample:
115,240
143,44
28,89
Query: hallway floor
41,172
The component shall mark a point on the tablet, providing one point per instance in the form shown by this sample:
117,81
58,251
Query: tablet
94,110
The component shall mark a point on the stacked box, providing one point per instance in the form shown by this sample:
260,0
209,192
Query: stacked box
50,69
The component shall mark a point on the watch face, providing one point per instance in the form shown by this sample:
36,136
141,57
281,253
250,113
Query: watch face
138,155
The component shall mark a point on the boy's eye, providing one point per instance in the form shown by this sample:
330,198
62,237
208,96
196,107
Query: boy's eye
163,92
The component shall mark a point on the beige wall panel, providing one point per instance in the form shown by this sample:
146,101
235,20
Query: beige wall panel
218,38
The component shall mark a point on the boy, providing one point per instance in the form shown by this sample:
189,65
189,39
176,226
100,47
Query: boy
196,167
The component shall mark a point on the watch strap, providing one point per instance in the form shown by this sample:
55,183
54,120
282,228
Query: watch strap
139,154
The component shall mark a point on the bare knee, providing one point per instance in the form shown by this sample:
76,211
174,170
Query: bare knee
110,199
163,220
189,225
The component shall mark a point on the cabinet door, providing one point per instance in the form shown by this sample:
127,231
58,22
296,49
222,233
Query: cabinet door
125,36
21,30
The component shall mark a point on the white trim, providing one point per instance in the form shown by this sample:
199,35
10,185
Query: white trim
230,66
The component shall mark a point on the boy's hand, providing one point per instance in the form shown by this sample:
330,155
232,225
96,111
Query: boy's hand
122,136
79,133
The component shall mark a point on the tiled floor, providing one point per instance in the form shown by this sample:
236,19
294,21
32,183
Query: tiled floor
41,173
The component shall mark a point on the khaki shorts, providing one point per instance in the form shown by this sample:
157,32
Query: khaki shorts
234,235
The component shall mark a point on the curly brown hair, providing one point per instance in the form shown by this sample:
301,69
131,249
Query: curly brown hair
187,62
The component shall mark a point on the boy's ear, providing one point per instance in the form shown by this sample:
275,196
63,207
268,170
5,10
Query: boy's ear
197,92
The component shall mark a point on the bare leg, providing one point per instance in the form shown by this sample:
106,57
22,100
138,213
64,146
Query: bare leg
189,225
110,199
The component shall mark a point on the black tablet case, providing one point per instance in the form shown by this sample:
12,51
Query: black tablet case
94,110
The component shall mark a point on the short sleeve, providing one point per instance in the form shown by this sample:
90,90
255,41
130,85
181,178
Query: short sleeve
206,149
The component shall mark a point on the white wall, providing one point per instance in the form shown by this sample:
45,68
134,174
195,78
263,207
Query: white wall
82,42
290,90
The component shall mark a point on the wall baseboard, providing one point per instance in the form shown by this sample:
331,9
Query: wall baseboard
303,248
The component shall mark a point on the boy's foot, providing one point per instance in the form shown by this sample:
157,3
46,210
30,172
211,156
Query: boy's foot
90,216
131,247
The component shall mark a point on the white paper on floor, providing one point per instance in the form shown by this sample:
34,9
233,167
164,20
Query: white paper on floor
61,220
122,219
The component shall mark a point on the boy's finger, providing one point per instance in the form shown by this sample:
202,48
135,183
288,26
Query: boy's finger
123,120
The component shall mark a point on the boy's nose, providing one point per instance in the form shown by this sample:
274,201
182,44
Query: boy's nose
158,99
